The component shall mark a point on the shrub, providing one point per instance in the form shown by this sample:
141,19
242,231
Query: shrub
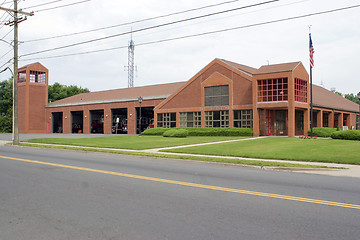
219,131
155,131
176,132
322,132
346,135
204,131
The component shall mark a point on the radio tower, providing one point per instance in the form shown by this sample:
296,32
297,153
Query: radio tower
130,66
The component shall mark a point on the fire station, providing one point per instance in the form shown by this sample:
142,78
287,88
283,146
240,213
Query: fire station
272,100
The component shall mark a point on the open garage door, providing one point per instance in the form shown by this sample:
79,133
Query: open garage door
96,121
119,121
77,119
147,119
57,122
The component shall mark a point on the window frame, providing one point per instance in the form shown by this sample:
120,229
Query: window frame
215,96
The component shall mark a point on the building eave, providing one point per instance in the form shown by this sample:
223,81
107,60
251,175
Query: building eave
107,101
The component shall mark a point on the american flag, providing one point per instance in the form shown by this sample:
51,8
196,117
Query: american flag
311,52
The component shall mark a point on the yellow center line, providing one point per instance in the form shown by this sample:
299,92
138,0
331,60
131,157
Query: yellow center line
189,184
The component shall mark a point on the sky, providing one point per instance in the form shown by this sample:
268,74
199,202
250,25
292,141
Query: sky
335,35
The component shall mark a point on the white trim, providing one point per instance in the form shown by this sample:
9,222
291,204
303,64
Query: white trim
106,101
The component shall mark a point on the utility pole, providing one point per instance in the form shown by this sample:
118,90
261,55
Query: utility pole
15,78
15,23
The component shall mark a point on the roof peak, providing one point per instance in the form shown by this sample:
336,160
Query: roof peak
270,68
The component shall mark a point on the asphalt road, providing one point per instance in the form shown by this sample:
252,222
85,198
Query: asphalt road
57,194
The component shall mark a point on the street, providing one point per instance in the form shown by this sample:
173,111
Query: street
58,194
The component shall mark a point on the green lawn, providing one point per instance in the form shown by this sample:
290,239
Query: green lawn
131,142
312,150
277,165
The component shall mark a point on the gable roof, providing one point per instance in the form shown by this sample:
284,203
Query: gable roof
37,64
325,98
274,68
240,67
159,91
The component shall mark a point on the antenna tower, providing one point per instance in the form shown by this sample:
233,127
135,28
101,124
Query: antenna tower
131,49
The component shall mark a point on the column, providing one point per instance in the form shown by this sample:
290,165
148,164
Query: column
67,122
306,121
256,131
131,118
331,119
291,123
319,116
86,121
341,120
107,120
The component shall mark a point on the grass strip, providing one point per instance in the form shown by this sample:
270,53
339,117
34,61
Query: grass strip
284,148
195,158
132,142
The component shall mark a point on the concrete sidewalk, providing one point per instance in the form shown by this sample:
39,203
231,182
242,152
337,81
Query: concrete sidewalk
349,171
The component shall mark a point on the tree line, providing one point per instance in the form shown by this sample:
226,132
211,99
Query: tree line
56,92
350,96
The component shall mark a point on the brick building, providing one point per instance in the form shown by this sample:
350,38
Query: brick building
273,100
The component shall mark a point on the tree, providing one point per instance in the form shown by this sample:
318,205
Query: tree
349,96
6,105
352,97
339,93
58,91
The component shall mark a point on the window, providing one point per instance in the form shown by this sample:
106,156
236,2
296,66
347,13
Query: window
280,120
358,122
22,77
336,120
326,120
217,96
243,118
300,90
190,119
299,120
37,77
217,119
166,120
272,90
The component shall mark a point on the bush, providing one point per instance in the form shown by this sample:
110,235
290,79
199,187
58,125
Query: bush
155,131
176,132
322,132
347,135
219,131
204,131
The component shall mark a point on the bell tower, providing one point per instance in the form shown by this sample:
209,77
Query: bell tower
33,97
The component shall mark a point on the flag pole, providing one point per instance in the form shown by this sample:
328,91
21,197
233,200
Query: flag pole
311,103
311,51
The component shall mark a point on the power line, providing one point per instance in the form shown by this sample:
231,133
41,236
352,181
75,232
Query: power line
4,14
202,34
148,28
2,3
66,5
7,33
137,21
6,53
74,54
43,4
8,62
